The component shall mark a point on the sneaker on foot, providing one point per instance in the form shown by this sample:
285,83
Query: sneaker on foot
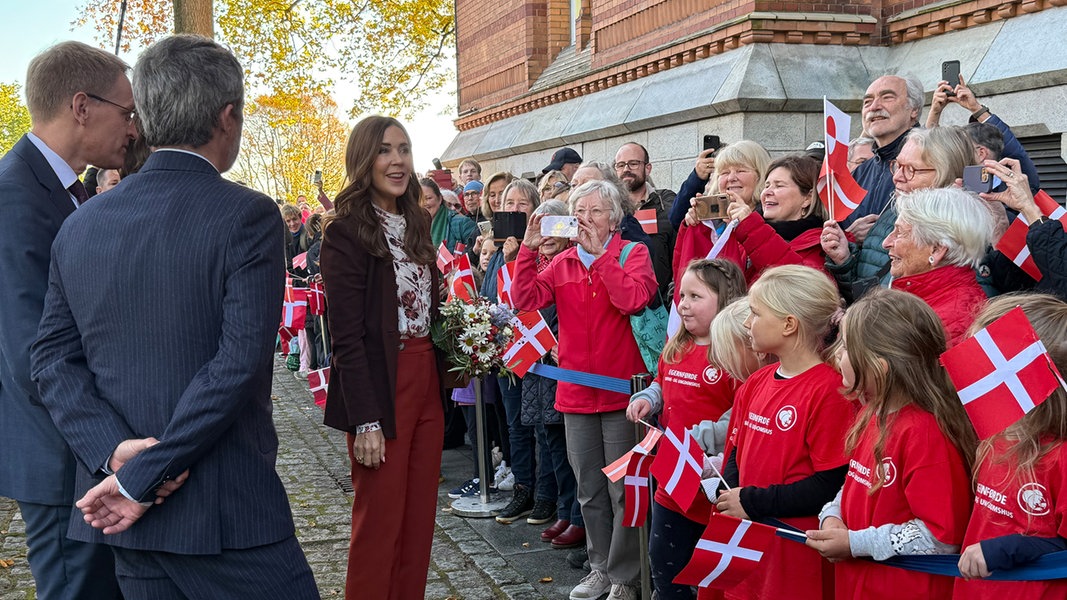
461,491
622,592
578,559
508,483
521,505
501,473
302,375
591,586
543,512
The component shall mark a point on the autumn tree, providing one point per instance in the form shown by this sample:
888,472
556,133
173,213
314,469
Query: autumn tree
394,52
14,116
285,140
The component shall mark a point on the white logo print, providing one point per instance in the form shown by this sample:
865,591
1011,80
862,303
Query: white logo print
712,375
890,471
1033,499
787,417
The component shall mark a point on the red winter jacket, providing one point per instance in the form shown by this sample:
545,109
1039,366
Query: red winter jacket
594,307
953,293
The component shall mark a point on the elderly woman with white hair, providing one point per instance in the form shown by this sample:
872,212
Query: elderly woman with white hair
595,293
940,236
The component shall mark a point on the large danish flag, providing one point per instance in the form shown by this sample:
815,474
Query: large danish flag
1013,243
635,508
838,190
316,298
533,340
727,552
504,278
678,467
462,284
294,307
1001,373
319,382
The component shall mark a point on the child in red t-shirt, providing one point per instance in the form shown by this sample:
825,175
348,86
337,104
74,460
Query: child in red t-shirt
687,390
786,455
908,485
1020,505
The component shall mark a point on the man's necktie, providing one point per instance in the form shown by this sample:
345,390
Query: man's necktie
77,189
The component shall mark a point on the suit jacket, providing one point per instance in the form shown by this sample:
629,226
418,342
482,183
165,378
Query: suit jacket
160,320
364,331
37,466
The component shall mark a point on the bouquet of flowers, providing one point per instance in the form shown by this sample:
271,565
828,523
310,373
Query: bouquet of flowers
473,335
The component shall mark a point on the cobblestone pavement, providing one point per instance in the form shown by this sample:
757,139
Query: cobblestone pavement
473,559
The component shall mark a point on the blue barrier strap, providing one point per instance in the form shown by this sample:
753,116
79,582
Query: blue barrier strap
1049,566
600,382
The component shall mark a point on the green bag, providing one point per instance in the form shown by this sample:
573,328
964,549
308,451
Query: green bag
649,325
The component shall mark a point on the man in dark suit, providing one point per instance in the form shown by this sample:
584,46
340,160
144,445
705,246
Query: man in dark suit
159,325
81,105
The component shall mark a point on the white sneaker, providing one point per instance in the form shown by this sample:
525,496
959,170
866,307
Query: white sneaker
592,586
303,375
501,472
622,592
508,483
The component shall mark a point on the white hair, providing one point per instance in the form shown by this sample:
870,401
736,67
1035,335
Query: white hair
608,191
955,219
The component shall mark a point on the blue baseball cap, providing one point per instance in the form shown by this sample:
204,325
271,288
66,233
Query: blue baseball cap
473,186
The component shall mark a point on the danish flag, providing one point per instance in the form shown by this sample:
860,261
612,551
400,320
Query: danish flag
444,259
300,261
617,470
838,190
727,552
286,334
1001,373
678,467
504,278
462,280
319,382
1013,243
533,340
316,297
636,490
647,219
294,307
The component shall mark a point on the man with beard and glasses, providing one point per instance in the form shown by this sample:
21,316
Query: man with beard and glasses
633,168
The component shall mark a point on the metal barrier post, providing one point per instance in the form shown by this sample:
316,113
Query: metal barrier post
639,382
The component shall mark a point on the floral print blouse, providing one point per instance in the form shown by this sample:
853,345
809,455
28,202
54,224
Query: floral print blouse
412,280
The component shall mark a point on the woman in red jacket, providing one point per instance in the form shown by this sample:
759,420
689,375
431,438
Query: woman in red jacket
787,233
939,238
594,295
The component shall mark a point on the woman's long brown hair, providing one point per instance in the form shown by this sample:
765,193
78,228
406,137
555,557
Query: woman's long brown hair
354,201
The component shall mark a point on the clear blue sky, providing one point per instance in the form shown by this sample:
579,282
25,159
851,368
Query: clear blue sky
29,26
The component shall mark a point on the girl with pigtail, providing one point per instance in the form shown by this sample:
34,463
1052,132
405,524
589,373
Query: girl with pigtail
785,455
687,389
1020,500
911,449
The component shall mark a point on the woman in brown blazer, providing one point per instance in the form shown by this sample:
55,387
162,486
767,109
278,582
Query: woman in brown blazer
378,266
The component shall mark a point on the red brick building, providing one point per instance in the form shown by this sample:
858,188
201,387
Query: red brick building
535,75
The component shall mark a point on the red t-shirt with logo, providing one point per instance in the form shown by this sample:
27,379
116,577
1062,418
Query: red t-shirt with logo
1004,505
786,430
693,390
925,478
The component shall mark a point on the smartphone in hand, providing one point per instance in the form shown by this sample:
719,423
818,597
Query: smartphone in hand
950,72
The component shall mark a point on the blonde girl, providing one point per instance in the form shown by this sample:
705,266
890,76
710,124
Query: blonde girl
908,486
1020,505
687,390
786,455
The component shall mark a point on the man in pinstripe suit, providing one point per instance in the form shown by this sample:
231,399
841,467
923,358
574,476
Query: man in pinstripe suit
154,352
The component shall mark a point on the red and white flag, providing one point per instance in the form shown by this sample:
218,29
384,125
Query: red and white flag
460,248
727,552
504,277
533,339
461,285
678,466
647,219
316,296
444,259
1013,243
838,190
635,485
286,334
294,307
1001,373
319,382
617,469
300,261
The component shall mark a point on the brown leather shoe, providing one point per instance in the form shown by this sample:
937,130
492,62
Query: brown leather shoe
572,537
557,528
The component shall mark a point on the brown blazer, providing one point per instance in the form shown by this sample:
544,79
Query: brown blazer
362,295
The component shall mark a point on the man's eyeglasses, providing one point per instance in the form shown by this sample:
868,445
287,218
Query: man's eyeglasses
128,113
633,165
909,171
